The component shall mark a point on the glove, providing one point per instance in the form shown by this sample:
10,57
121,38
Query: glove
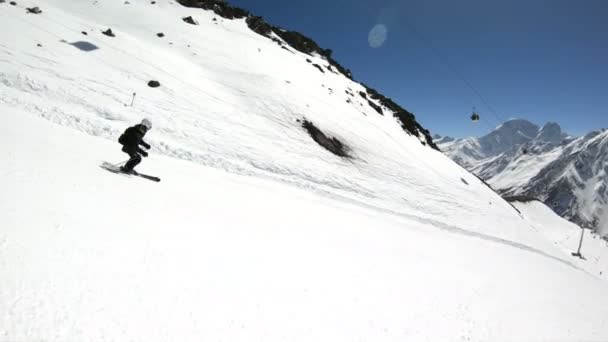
143,153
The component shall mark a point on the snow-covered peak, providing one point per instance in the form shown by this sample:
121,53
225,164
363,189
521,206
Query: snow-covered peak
506,136
518,158
438,139
551,132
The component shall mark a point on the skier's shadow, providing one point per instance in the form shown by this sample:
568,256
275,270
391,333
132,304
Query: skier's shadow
82,45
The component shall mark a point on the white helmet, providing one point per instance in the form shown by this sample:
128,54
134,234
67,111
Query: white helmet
147,123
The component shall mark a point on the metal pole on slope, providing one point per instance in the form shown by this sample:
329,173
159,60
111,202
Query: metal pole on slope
133,99
580,244
123,162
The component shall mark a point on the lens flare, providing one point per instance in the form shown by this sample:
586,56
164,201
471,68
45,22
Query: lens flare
377,36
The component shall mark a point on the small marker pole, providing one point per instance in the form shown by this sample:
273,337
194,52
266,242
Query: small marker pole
580,244
133,99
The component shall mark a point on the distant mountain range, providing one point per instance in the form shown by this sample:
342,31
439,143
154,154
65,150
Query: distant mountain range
520,158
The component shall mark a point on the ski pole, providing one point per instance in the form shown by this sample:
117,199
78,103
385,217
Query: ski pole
122,162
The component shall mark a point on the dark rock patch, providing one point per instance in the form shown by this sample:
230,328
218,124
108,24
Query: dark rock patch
85,33
39,45
153,84
257,24
375,107
108,33
331,144
407,119
219,7
33,10
319,67
189,20
13,3
160,35
521,198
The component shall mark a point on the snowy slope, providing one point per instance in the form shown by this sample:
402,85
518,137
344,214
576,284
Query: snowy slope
566,236
204,255
255,232
230,108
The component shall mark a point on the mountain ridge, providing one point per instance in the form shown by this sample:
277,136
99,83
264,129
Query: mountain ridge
520,158
308,46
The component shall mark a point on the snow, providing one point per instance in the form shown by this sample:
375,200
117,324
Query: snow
255,232
566,236
520,170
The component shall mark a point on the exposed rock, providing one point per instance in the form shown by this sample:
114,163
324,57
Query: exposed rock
331,144
284,48
33,10
109,33
219,7
85,33
160,35
189,20
153,84
13,3
319,67
407,119
375,107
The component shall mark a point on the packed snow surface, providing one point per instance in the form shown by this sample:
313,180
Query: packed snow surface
566,236
255,232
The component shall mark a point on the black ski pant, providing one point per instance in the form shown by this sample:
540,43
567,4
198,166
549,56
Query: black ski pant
135,159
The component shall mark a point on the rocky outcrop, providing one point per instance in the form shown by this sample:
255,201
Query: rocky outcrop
308,46
109,33
407,119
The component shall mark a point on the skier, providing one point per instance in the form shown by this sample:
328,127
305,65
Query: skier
130,141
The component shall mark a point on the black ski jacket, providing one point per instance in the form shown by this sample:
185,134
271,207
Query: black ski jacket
132,138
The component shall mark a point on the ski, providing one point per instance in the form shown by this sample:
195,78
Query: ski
142,175
116,169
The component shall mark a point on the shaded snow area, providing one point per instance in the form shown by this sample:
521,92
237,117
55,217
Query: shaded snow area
255,233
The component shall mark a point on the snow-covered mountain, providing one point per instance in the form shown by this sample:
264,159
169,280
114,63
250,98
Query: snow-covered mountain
257,230
520,158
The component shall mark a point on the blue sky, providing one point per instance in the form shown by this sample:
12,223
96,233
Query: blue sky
542,60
